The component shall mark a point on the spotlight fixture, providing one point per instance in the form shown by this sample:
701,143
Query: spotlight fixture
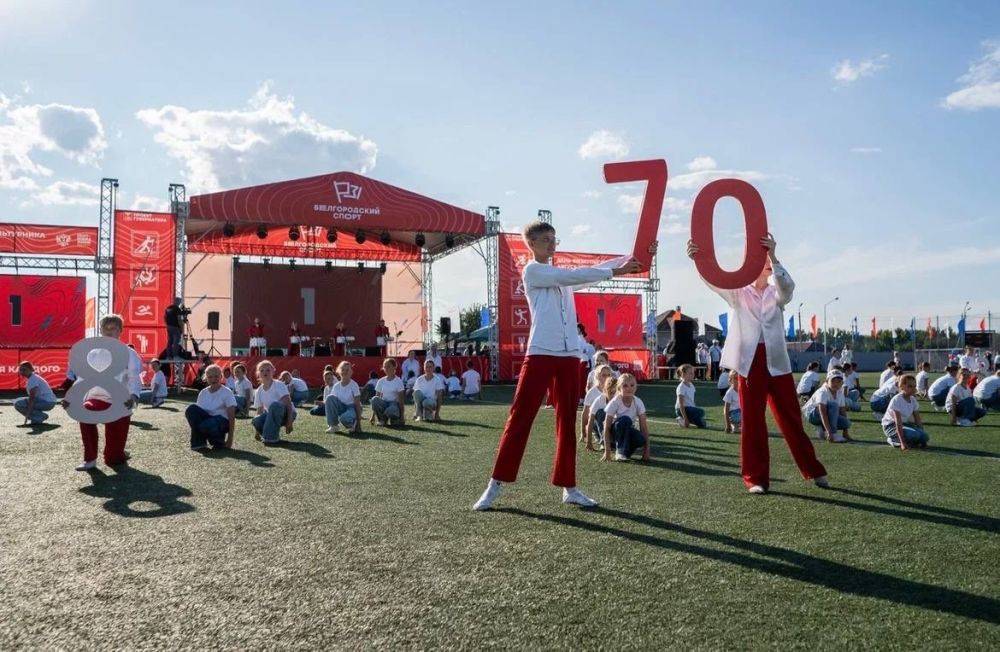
420,240
293,233
449,241
361,268
267,263
261,231
382,267
291,264
384,238
229,230
329,265
331,235
359,236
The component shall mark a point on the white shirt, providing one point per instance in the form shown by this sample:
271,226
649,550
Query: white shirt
942,384
851,380
587,350
409,382
987,387
345,393
454,384
723,380
886,375
687,391
410,364
808,382
714,353
429,387
390,389
263,398
436,357
159,385
550,301
755,317
328,389
240,387
824,395
834,362
217,403
471,379
702,353
591,396
923,381
958,392
885,390
599,403
732,398
968,361
905,407
846,356
41,388
299,385
616,408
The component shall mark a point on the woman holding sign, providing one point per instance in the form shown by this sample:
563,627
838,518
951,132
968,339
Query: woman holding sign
755,349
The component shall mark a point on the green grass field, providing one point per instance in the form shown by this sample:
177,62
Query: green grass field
358,542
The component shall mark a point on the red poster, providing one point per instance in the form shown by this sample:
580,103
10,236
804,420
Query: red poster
144,251
41,311
612,320
48,239
9,359
312,243
50,364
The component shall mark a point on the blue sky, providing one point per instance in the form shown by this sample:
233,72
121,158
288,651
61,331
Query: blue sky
873,133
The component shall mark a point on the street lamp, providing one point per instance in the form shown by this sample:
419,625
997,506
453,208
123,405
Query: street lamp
824,320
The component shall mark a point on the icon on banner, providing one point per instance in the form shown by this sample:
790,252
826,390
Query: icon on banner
146,246
83,239
520,317
144,310
63,240
518,287
346,190
522,343
143,343
522,260
146,277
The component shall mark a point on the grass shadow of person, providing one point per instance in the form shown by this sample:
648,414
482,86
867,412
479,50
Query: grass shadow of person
458,422
255,459
143,425
786,563
128,486
38,428
304,447
371,433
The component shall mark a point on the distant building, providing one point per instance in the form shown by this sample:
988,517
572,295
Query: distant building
664,333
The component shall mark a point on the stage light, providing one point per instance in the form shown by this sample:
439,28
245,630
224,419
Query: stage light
229,230
382,267
331,235
361,268
384,238
359,237
449,241
329,265
293,233
420,240
261,231
291,264
267,263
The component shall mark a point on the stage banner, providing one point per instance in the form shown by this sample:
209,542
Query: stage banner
41,311
311,243
144,252
48,239
612,320
514,320
50,364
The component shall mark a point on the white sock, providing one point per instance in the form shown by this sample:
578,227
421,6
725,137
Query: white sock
493,483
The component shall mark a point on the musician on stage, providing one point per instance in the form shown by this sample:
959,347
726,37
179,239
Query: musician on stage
294,339
382,337
340,340
258,344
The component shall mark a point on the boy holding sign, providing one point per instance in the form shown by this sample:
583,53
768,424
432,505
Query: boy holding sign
552,363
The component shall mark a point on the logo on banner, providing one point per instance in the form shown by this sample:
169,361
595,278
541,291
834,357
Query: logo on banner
143,309
522,343
346,190
519,317
144,341
145,244
63,240
83,239
517,288
146,278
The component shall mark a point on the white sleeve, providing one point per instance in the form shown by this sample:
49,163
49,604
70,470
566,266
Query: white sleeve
784,284
547,276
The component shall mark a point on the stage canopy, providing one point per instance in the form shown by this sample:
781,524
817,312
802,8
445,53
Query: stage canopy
329,213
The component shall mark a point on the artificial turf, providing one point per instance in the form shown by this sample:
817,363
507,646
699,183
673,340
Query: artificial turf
356,542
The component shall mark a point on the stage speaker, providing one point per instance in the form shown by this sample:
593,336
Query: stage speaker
683,343
213,320
373,351
275,353
445,326
420,353
322,351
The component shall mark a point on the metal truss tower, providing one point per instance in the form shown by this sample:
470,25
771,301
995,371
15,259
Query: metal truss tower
492,289
104,263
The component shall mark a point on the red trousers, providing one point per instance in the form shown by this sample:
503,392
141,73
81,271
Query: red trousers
756,390
560,376
115,435
584,372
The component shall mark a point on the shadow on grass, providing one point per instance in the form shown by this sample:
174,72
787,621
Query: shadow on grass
304,447
143,425
790,564
474,424
128,486
38,428
381,436
908,509
162,408
255,459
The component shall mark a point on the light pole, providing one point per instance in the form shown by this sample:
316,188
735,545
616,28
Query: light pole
965,326
824,320
800,323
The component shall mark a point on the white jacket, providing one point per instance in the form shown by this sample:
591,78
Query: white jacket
550,299
754,314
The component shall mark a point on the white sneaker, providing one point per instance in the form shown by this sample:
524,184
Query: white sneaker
757,489
822,482
838,438
489,496
417,418
573,496
964,422
680,421
87,466
331,429
620,457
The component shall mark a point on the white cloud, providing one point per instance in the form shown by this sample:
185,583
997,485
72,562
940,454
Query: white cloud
73,132
693,180
510,193
981,88
148,203
674,228
581,229
603,144
630,203
866,150
265,141
847,72
66,193
591,194
701,163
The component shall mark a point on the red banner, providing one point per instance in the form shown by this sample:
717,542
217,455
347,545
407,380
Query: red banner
50,364
41,311
48,239
312,243
612,320
144,252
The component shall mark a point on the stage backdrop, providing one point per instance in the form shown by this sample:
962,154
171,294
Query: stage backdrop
313,296
48,239
41,311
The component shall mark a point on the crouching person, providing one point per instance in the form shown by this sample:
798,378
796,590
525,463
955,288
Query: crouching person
625,423
827,409
273,404
428,392
342,403
213,417
902,424
387,404
40,397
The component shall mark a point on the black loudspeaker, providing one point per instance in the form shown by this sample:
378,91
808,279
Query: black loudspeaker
373,351
418,352
275,353
213,320
322,351
683,343
445,326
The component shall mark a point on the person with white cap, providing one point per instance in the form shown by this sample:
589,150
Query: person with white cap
827,409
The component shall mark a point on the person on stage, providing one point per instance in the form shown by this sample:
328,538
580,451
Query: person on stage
340,340
756,350
173,319
257,341
553,362
294,340
116,432
382,338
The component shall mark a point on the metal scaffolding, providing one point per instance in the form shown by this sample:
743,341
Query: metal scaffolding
492,258
104,263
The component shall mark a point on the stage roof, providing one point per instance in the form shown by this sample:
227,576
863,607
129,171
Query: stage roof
344,201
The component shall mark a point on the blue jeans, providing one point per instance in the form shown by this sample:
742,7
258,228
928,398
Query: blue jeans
967,409
269,423
38,410
146,397
337,411
628,439
384,410
837,420
424,404
695,415
939,398
881,404
597,427
318,410
913,435
206,428
241,404
299,397
991,402
854,400
735,416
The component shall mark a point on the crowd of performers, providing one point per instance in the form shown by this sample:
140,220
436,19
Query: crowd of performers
754,371
337,344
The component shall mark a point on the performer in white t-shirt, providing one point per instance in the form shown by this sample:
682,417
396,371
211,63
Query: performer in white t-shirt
40,399
213,417
428,394
387,404
602,373
471,382
827,409
242,388
410,364
157,392
342,401
901,423
273,404
625,422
